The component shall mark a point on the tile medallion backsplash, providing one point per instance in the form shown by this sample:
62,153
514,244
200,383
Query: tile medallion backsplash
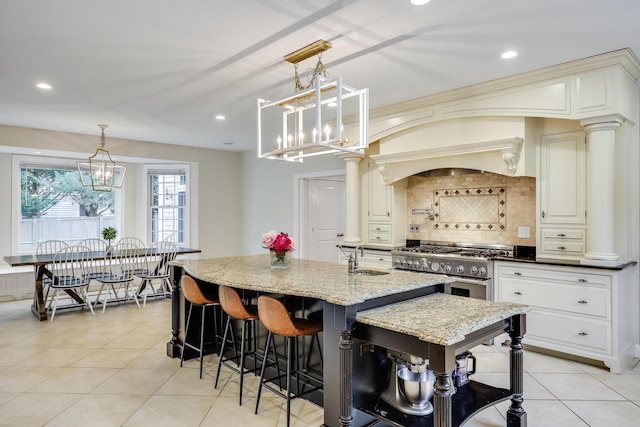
474,208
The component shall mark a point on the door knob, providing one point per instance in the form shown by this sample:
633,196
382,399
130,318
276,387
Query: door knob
340,235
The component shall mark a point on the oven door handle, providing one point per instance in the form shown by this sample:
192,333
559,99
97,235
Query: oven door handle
472,281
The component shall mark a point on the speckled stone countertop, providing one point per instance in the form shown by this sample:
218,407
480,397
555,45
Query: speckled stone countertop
439,318
314,279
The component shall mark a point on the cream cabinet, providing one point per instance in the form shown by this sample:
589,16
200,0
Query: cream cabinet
384,209
562,196
585,312
378,259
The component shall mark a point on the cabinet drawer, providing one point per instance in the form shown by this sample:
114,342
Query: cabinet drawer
379,228
563,247
570,331
583,300
556,276
562,234
380,237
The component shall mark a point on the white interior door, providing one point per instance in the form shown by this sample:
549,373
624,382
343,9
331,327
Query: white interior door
326,218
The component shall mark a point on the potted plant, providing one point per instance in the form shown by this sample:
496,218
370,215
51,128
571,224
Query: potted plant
108,234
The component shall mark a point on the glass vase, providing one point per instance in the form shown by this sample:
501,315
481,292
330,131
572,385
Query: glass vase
280,260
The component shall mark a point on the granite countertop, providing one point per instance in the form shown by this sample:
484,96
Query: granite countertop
439,318
314,279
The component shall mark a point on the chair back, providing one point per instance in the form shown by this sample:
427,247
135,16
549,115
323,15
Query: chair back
123,259
133,241
275,317
158,256
232,303
50,247
69,267
96,245
192,291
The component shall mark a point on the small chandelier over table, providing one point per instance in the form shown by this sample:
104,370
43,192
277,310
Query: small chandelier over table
323,117
101,173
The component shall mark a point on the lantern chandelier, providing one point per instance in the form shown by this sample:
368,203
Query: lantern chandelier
101,173
324,116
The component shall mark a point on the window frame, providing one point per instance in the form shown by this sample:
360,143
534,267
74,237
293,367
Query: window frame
16,214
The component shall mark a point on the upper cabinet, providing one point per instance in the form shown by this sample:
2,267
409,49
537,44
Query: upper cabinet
562,209
384,213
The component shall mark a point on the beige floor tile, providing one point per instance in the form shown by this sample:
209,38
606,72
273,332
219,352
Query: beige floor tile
576,387
227,409
188,383
99,410
135,340
547,413
489,417
35,409
89,340
627,385
133,381
12,356
606,414
303,414
109,358
74,380
22,378
532,388
186,411
492,361
543,363
153,359
5,396
58,357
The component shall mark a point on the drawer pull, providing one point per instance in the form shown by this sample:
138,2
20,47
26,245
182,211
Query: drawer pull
562,235
583,334
378,229
582,302
377,237
562,248
518,293
582,280
380,259
517,274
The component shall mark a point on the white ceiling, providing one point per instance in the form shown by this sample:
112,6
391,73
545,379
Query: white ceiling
161,70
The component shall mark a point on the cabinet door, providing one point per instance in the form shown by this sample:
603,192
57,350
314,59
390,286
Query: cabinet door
562,179
380,196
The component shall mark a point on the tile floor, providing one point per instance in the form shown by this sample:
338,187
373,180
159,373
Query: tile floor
112,370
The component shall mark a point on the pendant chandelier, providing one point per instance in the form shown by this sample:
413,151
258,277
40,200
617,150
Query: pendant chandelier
324,116
101,173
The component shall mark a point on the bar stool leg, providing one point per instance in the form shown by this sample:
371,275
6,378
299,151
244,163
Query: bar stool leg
290,342
244,338
186,335
264,365
221,355
204,309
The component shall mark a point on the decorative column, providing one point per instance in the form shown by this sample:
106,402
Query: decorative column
601,142
353,197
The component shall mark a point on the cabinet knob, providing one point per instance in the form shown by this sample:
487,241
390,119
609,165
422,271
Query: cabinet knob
562,235
562,248
340,235
543,214
583,334
518,293
582,302
377,237
517,274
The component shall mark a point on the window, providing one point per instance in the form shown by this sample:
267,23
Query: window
168,202
53,204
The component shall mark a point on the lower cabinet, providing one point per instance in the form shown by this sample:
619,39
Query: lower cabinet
373,258
582,311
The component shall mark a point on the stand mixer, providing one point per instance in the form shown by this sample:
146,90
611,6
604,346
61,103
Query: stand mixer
410,384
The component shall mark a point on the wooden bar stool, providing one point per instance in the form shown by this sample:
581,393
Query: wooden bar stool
235,308
193,293
276,319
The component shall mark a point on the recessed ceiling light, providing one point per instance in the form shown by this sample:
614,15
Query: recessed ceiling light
419,2
220,117
43,85
509,54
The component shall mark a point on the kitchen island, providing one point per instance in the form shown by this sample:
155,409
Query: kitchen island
343,296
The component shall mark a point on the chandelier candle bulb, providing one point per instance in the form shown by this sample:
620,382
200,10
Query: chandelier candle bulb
327,131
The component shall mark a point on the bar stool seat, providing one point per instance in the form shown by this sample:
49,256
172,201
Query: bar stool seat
193,293
235,308
276,319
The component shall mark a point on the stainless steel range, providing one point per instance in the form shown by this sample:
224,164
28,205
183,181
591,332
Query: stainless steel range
471,264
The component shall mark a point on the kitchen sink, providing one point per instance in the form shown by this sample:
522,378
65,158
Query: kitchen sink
370,272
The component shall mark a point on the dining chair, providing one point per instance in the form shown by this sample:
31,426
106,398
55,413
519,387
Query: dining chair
133,241
69,275
96,267
156,267
46,248
119,259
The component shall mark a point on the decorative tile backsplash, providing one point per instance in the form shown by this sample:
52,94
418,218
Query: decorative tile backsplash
475,208
470,208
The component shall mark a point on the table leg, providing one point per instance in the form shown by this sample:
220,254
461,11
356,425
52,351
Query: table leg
516,415
38,308
443,391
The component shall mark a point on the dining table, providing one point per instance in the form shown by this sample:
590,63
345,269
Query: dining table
41,263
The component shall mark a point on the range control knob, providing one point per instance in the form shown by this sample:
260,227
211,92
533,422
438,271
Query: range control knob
482,271
435,266
474,270
446,268
397,262
460,269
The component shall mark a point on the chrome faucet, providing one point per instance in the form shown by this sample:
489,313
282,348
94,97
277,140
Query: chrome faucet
353,259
